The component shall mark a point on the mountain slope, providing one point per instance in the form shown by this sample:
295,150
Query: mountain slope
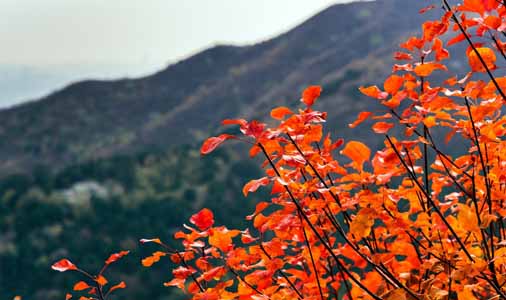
340,48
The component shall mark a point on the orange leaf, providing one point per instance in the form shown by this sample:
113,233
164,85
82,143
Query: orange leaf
81,285
211,143
426,69
456,39
120,285
258,209
157,240
150,260
393,84
374,92
179,282
397,294
467,218
488,56
221,238
203,219
430,121
441,53
466,293
310,94
253,185
362,116
63,265
361,225
68,296
402,56
280,112
357,152
114,257
382,127
492,22
412,43
101,280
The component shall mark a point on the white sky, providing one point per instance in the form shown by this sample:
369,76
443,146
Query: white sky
137,32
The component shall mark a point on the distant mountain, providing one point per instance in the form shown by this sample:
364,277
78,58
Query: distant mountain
21,83
341,48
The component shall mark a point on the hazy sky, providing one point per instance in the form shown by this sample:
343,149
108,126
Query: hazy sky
137,32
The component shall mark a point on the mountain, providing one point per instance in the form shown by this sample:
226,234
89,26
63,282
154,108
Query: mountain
340,48
19,83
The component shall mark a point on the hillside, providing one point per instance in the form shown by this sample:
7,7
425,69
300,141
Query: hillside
340,48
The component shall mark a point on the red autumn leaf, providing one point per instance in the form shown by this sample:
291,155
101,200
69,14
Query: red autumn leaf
203,219
254,184
182,272
253,129
120,285
382,127
234,122
280,112
472,6
81,285
114,257
211,143
433,29
310,94
258,209
456,39
412,43
404,67
441,53
246,237
215,273
68,296
63,265
374,92
425,69
277,187
402,56
426,9
393,84
362,116
486,54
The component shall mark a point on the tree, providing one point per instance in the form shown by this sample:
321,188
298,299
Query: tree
409,221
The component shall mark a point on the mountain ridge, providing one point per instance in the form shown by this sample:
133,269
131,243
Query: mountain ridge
339,48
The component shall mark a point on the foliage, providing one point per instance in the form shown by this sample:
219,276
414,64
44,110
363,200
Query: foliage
406,222
94,285
87,211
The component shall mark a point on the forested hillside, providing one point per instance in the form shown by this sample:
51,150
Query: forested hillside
340,48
